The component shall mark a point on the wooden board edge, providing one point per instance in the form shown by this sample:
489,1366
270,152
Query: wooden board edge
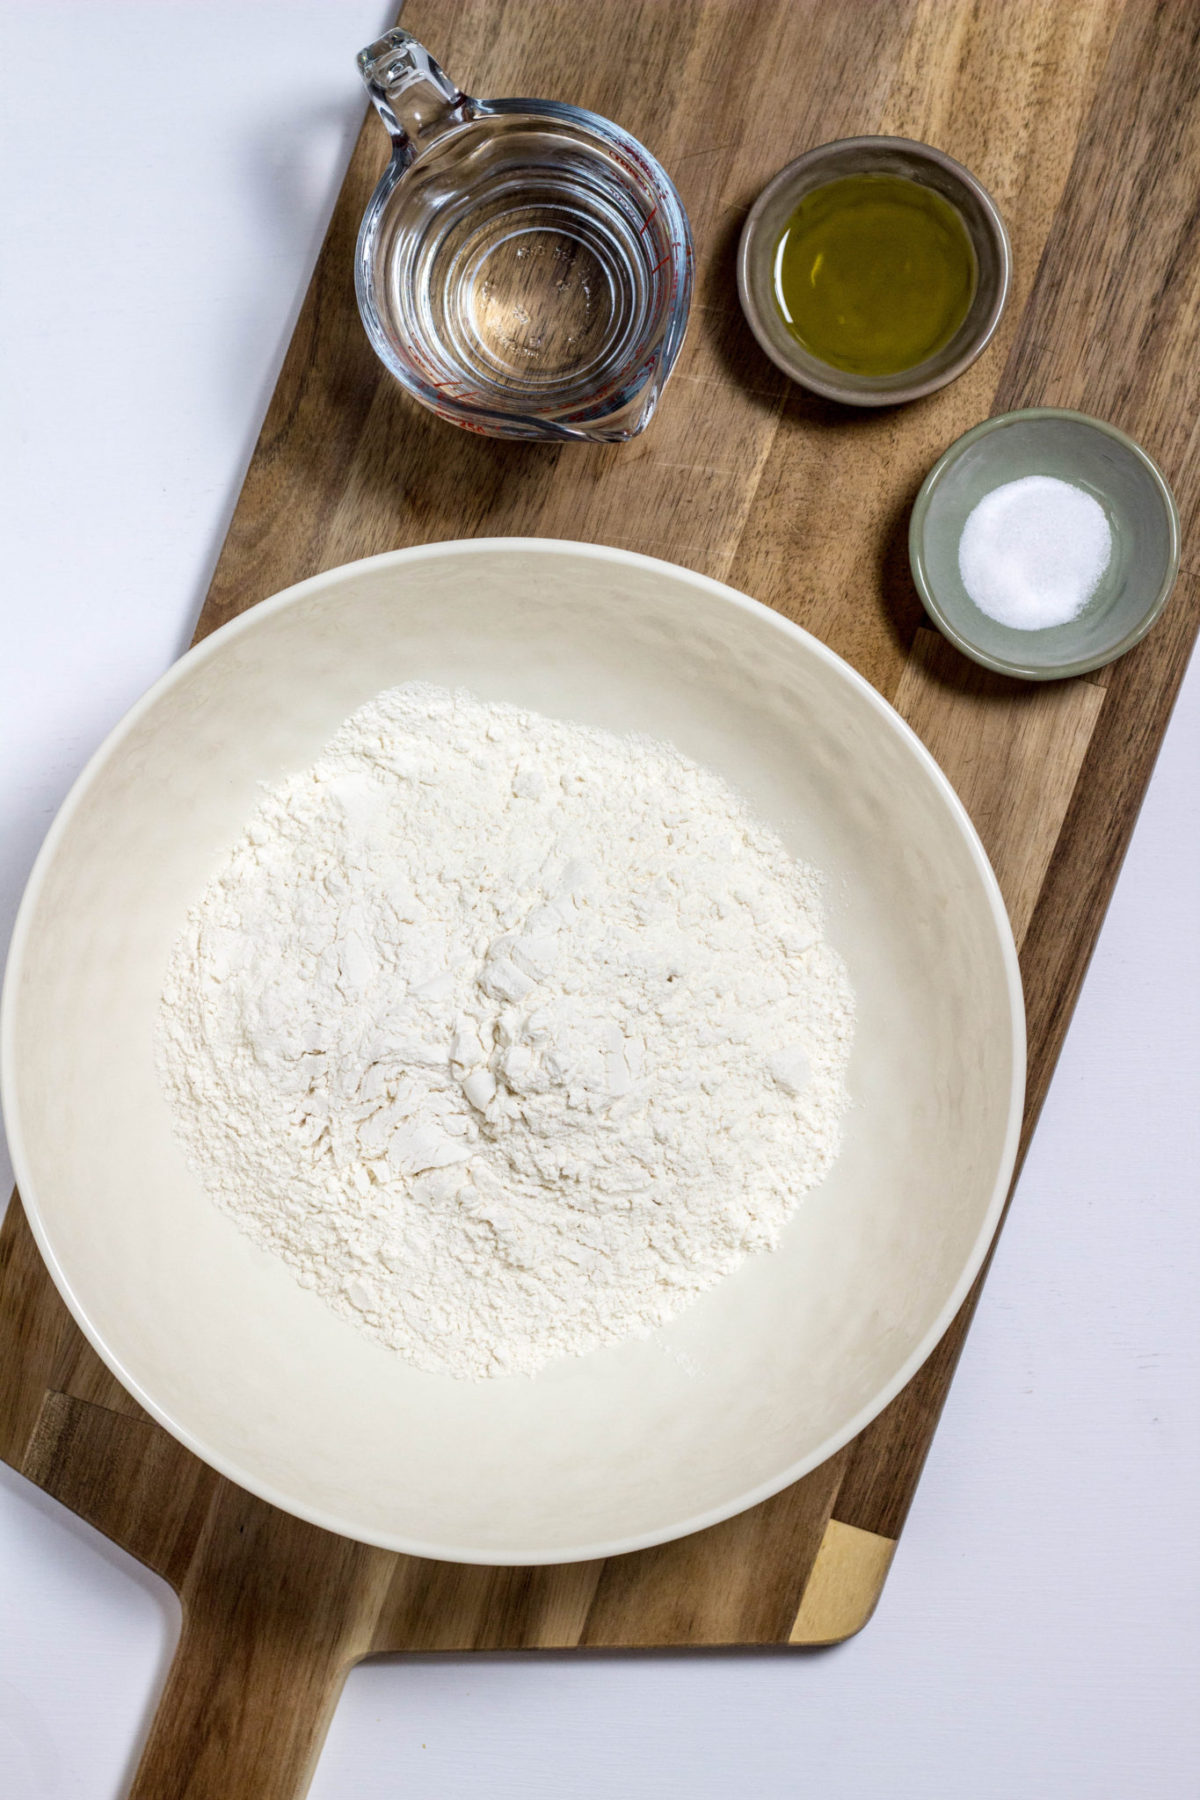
844,1587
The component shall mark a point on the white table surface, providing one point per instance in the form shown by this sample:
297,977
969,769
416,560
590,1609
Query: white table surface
166,171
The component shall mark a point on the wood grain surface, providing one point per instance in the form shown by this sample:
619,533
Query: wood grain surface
1081,117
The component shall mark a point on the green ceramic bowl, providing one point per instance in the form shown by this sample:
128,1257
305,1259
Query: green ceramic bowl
1090,454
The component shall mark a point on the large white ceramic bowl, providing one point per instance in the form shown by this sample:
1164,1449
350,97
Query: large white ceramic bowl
766,1375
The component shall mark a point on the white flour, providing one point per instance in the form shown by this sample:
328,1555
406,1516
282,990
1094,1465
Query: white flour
510,1036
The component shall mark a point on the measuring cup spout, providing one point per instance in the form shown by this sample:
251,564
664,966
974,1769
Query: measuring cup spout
415,99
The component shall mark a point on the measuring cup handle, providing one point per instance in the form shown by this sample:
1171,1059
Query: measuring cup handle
415,99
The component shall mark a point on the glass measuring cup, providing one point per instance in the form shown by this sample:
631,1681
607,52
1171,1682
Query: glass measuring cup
523,268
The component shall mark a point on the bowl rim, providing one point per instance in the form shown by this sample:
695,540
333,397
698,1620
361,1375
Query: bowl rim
227,1464
920,573
839,384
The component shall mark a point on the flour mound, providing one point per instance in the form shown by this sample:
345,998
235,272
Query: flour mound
510,1036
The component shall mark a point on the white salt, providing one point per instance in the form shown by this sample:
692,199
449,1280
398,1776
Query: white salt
1032,552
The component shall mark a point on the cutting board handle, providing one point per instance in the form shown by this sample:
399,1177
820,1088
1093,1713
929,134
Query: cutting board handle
275,1613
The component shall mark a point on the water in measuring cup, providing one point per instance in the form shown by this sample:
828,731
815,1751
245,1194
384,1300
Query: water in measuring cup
524,272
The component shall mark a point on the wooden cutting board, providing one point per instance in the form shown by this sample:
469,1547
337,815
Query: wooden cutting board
1081,117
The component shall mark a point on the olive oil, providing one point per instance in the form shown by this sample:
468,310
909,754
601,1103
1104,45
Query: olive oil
874,273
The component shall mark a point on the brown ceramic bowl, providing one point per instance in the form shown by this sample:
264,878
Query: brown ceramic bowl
873,156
